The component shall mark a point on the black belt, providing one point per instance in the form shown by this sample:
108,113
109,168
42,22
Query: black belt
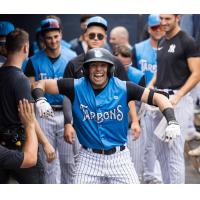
106,152
57,108
170,92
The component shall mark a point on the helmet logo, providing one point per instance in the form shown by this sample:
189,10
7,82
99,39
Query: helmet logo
98,54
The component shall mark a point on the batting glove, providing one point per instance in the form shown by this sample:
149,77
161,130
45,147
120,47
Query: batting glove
172,131
44,108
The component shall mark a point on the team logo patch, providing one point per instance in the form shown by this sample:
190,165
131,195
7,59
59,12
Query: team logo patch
98,54
172,48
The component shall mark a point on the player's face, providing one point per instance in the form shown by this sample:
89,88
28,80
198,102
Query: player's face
52,40
156,32
115,39
126,61
98,74
95,37
169,22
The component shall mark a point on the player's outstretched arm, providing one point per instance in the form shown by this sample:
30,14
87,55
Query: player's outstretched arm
47,85
173,129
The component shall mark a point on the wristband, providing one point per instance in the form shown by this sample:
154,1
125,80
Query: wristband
169,115
38,94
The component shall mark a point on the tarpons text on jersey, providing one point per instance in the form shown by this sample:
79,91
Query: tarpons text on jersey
99,117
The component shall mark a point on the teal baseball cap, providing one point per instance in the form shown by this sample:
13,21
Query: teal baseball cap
6,27
153,20
97,21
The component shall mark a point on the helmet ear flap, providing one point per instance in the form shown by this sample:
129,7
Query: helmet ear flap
112,70
85,70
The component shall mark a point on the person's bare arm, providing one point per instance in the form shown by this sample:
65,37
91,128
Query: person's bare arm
135,126
158,100
194,78
48,86
152,83
30,149
48,148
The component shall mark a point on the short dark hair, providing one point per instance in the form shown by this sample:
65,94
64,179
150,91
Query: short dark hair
85,17
122,50
16,39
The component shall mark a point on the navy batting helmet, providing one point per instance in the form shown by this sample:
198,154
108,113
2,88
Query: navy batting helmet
99,55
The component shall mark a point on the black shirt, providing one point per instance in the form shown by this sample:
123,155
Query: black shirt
66,87
10,159
74,68
14,86
172,55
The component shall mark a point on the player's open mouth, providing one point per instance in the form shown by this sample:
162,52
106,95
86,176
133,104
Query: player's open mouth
98,76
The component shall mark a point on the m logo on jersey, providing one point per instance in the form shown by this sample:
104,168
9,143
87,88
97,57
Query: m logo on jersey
99,117
98,54
172,48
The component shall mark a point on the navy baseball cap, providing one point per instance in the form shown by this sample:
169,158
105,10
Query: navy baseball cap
50,24
97,21
153,20
6,28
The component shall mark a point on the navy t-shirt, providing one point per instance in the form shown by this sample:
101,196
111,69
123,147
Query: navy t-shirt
14,86
10,159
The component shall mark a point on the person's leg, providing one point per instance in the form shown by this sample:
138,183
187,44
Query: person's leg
161,150
149,162
136,148
119,169
89,168
66,153
52,169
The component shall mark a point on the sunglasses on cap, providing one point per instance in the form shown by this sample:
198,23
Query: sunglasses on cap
155,28
99,36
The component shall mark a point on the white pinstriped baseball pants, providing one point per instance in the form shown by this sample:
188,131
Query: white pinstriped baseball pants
149,161
171,157
93,168
60,170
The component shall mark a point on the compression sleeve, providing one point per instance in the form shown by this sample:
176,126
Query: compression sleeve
134,92
66,87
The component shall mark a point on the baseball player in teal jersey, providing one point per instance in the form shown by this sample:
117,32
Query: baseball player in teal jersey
144,58
50,63
101,118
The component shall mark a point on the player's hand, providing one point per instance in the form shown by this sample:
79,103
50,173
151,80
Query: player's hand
26,112
69,133
172,131
44,108
174,99
135,130
49,152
